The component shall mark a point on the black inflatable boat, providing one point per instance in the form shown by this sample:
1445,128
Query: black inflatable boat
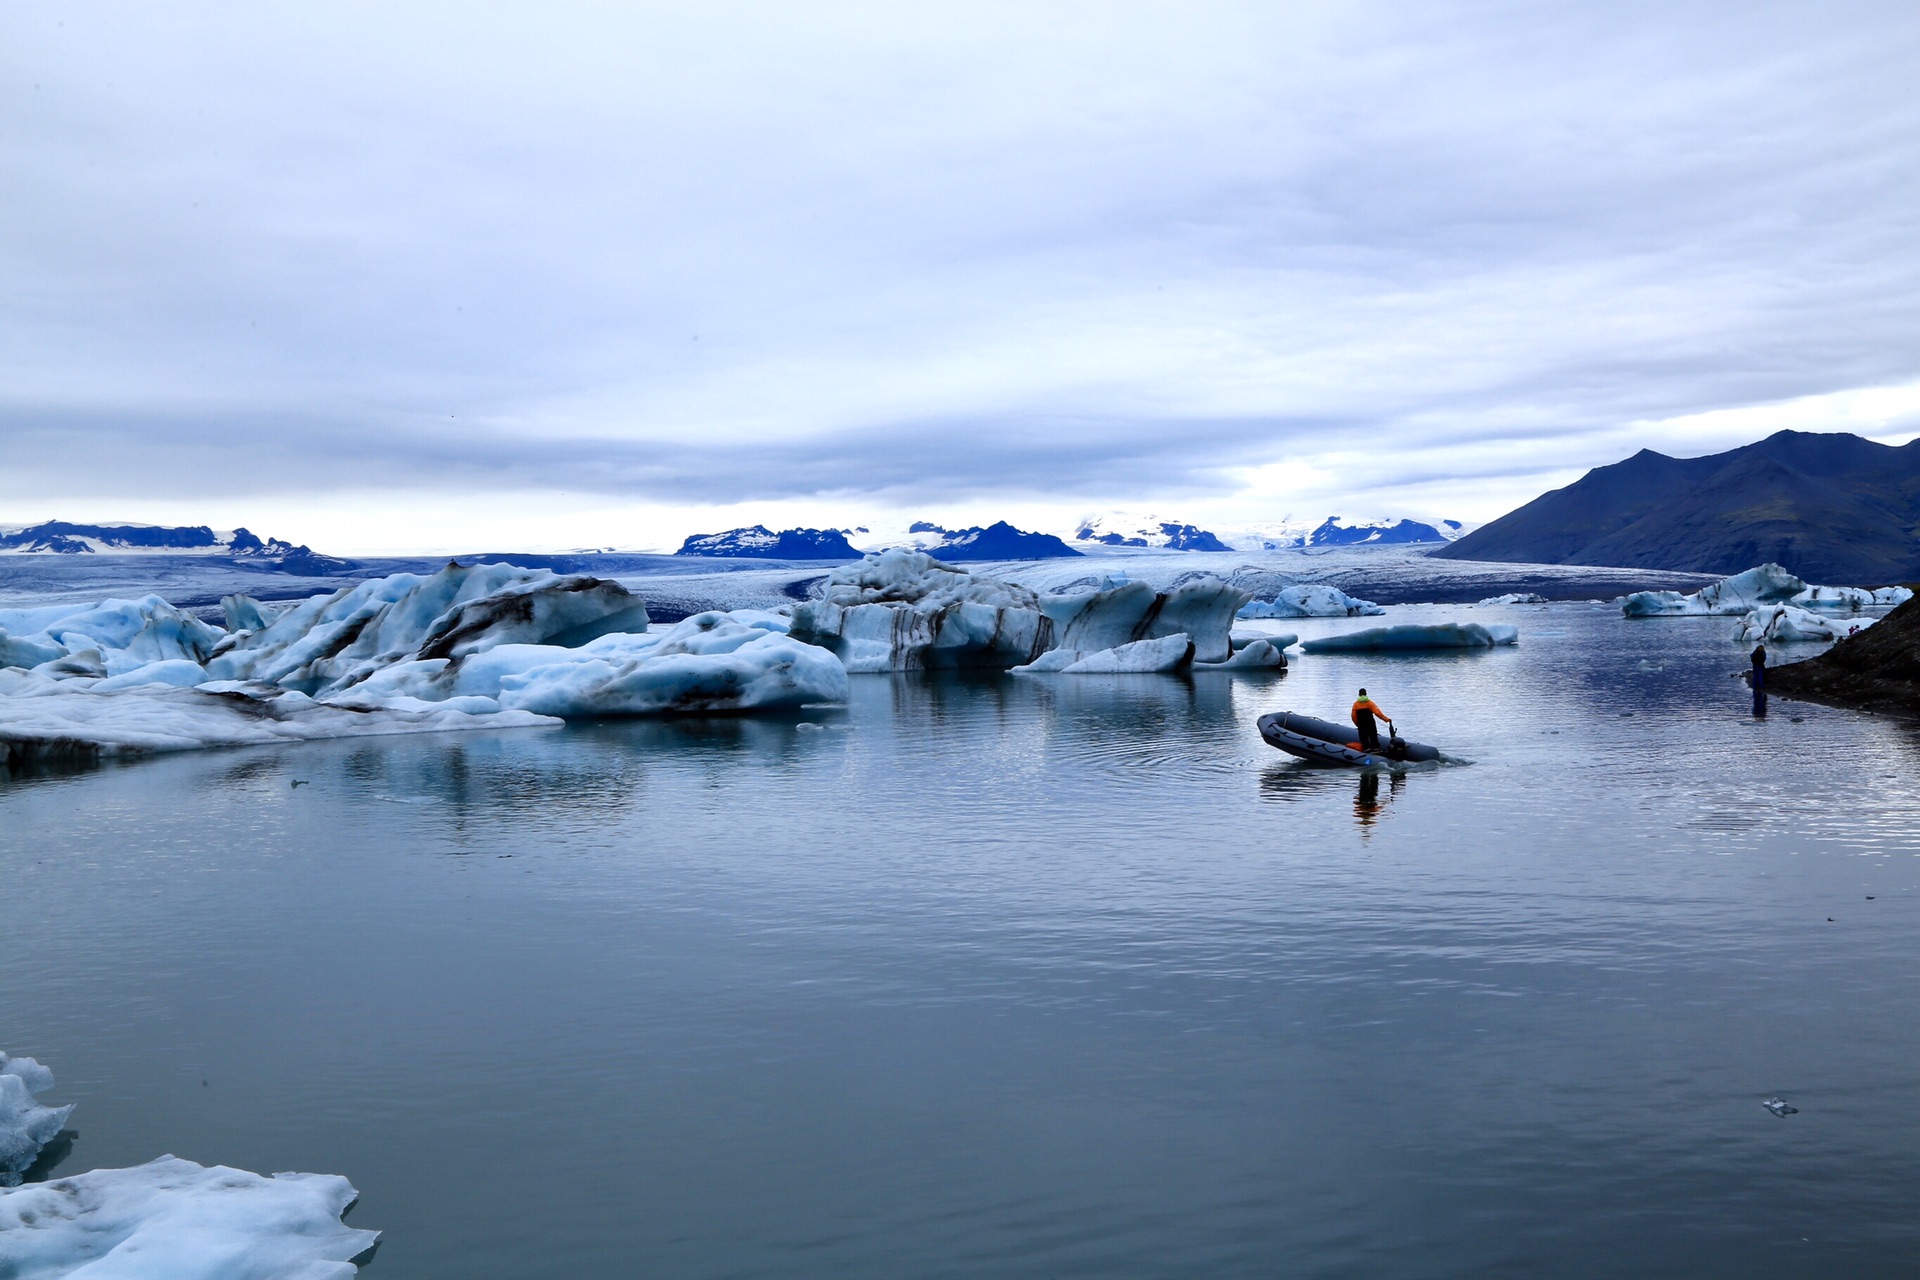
1324,742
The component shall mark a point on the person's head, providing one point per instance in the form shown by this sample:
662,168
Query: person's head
1363,693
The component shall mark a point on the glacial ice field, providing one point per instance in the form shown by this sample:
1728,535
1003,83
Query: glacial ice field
994,975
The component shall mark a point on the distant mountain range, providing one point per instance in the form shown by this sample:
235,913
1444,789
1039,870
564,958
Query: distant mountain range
997,541
1174,535
1832,508
60,537
760,542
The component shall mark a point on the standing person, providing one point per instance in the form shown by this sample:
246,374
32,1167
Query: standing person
1757,680
1365,712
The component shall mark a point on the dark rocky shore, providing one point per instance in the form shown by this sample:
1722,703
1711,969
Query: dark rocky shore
1877,670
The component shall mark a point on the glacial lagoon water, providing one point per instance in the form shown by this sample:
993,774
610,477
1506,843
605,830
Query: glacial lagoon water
1028,977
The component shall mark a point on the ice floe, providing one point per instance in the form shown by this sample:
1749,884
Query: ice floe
1413,635
172,1219
1311,600
1851,599
1515,597
1763,585
1140,657
26,1127
1260,655
1787,623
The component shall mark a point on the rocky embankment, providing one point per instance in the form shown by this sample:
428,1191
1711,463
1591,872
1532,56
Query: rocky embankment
1877,670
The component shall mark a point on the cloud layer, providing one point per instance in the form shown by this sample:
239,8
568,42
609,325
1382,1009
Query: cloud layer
1241,258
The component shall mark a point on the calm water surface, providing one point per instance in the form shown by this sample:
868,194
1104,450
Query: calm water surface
1021,977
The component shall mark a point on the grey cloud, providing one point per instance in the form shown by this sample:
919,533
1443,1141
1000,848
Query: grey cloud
758,252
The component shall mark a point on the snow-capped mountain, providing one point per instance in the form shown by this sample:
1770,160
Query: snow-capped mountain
1332,533
59,537
760,542
1117,530
997,541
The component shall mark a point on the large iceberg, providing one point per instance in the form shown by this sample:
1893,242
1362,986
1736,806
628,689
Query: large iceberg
1767,584
172,1219
330,643
1787,623
26,1127
902,610
1311,600
493,646
709,662
1202,609
1412,636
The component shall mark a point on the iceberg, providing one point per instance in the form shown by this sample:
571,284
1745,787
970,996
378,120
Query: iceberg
177,1220
1141,657
1851,599
26,1127
1762,585
1202,609
1516,597
1786,623
709,662
1311,600
1261,655
125,634
330,643
902,610
1413,636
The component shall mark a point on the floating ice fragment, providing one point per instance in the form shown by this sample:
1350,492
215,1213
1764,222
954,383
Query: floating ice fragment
26,1127
1310,600
171,1219
1415,636
1780,1106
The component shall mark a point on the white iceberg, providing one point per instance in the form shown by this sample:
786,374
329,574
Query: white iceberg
1261,655
330,643
1117,615
902,610
1851,599
26,1127
1764,584
1140,657
709,662
126,634
1412,636
172,1219
1516,597
1786,624
1311,600
47,721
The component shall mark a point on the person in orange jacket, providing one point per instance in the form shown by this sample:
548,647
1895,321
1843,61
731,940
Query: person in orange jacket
1365,712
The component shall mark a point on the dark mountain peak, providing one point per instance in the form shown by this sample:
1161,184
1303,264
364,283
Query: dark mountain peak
999,541
1830,506
759,542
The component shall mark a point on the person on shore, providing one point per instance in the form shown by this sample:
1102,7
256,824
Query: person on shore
1757,678
1365,712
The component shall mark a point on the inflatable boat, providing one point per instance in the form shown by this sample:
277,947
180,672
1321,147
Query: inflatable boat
1324,742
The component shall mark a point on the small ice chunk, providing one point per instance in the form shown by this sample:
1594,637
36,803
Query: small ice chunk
1414,636
1780,1106
1516,597
25,1126
1259,656
177,1220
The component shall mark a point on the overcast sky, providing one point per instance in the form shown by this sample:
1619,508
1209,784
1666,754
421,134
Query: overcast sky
425,277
